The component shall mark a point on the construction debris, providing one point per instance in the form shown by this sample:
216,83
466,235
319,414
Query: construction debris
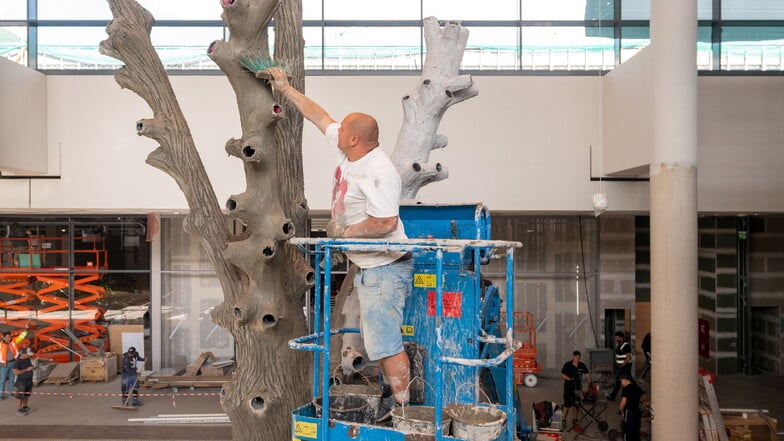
64,373
207,371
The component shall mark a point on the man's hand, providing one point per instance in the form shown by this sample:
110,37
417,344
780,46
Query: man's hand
280,80
335,229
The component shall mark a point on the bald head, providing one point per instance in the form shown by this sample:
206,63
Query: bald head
362,126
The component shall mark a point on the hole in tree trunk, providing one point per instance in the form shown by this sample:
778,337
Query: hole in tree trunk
268,252
231,204
257,403
417,167
438,166
248,151
268,321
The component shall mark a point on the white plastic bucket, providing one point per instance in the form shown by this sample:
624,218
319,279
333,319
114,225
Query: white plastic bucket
477,423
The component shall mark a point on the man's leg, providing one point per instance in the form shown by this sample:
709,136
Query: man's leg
11,379
647,366
124,389
616,386
135,390
396,371
3,379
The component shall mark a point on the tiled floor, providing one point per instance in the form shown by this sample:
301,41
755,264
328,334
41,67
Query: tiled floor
84,412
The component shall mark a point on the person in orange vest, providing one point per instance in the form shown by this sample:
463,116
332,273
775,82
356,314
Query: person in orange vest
8,352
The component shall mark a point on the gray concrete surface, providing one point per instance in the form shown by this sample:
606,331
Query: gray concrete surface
83,411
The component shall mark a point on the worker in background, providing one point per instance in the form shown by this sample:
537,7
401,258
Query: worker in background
629,407
9,350
23,386
572,373
623,363
646,349
365,204
129,383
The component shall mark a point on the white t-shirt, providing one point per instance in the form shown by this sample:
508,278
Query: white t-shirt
369,186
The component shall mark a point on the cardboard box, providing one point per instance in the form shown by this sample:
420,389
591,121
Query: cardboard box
102,369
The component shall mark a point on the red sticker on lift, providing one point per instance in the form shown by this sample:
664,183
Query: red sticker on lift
453,304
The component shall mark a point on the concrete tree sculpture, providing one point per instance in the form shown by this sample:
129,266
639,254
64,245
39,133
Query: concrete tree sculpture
440,87
262,277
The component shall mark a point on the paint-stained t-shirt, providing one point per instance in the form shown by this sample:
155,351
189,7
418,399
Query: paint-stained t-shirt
369,186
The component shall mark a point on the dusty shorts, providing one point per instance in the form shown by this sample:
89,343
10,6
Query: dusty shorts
22,389
382,293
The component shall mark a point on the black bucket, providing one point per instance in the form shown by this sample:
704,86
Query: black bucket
345,408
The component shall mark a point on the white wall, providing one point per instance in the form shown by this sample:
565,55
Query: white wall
23,147
522,144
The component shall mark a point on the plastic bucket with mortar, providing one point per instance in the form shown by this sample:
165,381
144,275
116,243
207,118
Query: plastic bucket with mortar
418,419
371,394
344,408
477,423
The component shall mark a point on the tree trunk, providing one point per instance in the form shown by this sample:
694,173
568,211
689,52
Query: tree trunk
262,277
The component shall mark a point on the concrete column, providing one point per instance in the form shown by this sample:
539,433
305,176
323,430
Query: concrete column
674,220
155,295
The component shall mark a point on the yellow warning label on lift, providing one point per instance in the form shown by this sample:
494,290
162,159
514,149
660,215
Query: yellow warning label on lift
304,429
424,280
407,330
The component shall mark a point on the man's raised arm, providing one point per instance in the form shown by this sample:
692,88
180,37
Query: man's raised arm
306,106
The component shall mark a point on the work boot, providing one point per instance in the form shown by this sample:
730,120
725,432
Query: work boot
385,405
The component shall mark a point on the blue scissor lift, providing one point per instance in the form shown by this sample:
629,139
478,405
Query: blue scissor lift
452,318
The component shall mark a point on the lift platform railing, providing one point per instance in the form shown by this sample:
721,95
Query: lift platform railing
322,250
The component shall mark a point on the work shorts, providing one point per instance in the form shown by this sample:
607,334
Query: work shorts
382,293
22,389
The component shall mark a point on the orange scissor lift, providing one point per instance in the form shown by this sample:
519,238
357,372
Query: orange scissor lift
526,366
34,293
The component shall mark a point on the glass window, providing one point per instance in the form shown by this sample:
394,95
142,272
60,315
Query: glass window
462,10
752,9
491,48
183,9
752,48
566,48
567,9
91,292
641,9
633,39
74,10
371,10
311,9
13,10
704,48
72,48
313,47
373,48
185,47
13,44
189,291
